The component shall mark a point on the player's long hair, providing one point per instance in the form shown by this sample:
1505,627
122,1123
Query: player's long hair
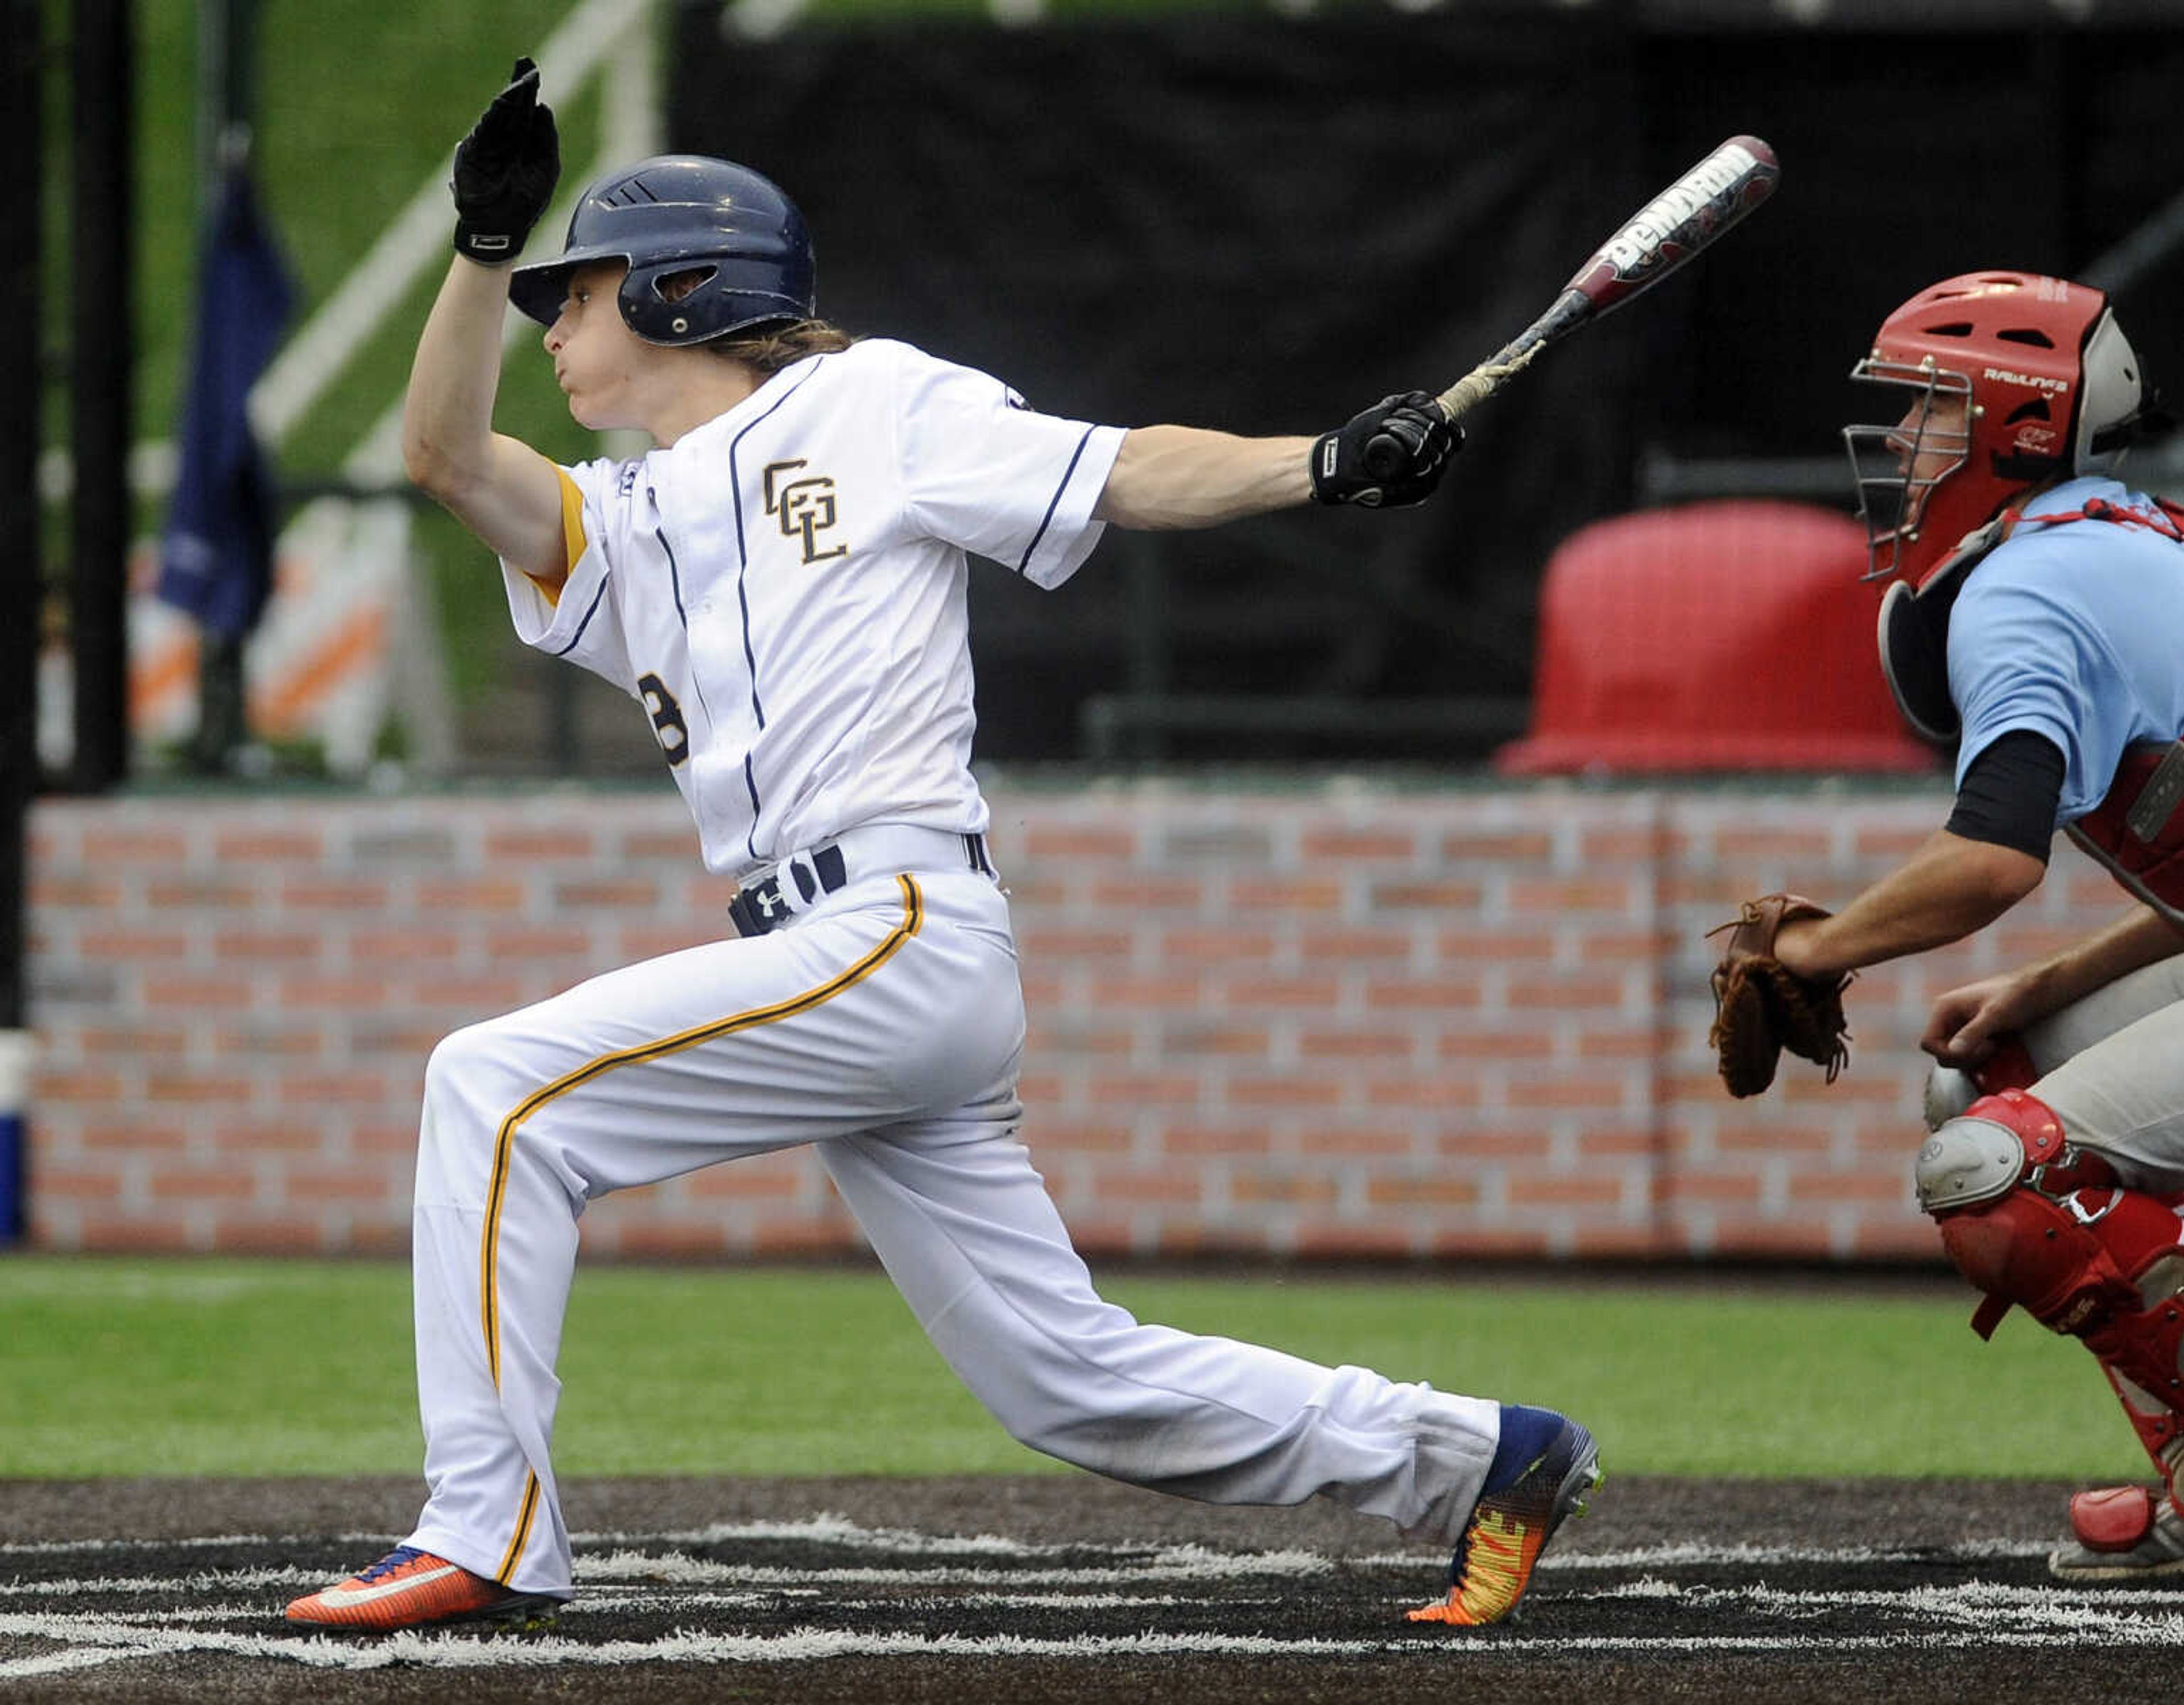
781,343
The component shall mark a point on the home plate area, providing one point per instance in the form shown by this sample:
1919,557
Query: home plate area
1040,1590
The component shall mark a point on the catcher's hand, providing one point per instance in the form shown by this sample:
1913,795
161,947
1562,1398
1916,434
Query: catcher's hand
505,170
1761,1006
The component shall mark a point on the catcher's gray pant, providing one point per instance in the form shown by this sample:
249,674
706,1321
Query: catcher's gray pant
883,1025
2112,1068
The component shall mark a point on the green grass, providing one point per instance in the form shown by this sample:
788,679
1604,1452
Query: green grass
223,1366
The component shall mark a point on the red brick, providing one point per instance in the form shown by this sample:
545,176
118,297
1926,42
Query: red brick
163,847
1356,1045
1337,1240
1617,844
305,991
134,947
1146,1088
1447,895
423,944
1353,946
55,892
1437,1190
1799,845
1204,946
1423,994
451,893
525,847
360,896
606,893
1247,1091
1570,1089
1583,1190
1470,1046
1120,994
1560,896
1355,1141
85,1088
175,1184
146,1135
1214,1039
1357,844
175,894
1081,841
259,844
1052,941
1424,1093
1493,946
124,1233
1184,1138
1574,992
1247,992
1498,846
253,947
307,1184
275,1235
1251,894
1251,1183
1136,894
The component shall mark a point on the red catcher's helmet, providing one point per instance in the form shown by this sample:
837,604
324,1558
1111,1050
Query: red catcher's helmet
2054,392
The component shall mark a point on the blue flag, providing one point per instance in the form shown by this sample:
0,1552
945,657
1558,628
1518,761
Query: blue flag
217,560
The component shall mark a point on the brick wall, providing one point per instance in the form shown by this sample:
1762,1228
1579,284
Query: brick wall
1341,1020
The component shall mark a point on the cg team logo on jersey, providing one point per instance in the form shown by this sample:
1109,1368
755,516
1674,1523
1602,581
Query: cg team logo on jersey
804,508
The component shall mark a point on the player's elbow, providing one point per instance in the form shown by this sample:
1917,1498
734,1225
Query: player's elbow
1992,878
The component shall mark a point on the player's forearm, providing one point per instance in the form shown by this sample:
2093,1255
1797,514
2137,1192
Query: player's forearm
447,413
2136,940
1185,477
1948,889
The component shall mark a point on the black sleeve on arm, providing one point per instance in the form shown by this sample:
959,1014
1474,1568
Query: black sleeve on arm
2010,794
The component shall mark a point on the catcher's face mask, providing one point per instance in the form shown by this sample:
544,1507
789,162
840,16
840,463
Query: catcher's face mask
1898,468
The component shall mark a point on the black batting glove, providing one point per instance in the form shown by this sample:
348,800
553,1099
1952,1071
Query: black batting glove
505,170
1391,455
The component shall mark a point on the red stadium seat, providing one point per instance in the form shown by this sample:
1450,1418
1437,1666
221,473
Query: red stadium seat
1725,635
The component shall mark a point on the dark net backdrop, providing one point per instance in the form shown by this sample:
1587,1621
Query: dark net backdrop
1243,221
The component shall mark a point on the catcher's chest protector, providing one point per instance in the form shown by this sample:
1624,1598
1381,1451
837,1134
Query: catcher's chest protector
2138,831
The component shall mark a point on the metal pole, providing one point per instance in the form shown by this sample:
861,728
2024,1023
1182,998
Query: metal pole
101,523
22,576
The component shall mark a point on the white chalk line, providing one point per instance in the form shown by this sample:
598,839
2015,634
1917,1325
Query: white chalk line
624,1578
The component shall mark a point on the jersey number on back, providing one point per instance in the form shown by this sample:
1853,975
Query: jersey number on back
667,724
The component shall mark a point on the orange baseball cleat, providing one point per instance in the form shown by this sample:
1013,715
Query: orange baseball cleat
1509,1528
408,1588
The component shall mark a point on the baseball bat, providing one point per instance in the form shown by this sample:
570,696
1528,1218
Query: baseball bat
1685,218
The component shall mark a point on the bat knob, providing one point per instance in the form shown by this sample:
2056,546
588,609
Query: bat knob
1384,455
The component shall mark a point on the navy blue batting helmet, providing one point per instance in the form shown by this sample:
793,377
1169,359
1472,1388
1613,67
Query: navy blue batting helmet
678,213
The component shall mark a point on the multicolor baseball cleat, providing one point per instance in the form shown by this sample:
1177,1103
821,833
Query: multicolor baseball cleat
408,1588
2120,1533
1511,1526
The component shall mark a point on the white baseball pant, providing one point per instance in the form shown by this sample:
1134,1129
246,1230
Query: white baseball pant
884,1024
2112,1069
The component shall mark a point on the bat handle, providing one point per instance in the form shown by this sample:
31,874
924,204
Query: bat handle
1385,454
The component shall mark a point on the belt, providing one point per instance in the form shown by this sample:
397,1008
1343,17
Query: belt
773,894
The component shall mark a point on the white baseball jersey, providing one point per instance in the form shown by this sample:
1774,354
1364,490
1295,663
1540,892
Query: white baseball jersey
784,588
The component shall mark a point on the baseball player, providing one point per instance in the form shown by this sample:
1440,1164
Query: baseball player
780,584
2036,619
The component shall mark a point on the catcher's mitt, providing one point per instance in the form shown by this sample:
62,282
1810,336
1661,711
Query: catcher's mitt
1762,1007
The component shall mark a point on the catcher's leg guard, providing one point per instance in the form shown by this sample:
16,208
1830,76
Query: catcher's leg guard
2031,1220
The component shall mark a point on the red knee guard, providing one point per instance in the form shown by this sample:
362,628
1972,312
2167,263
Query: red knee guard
2082,1256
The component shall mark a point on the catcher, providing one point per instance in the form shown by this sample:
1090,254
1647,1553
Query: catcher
2035,619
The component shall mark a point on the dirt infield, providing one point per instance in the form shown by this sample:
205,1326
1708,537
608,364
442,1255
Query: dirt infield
1067,1589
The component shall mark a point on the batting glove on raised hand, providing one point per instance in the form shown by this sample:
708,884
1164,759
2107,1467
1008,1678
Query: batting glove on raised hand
505,170
1391,454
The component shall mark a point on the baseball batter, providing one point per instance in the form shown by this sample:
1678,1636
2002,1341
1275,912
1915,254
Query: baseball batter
2036,622
780,584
